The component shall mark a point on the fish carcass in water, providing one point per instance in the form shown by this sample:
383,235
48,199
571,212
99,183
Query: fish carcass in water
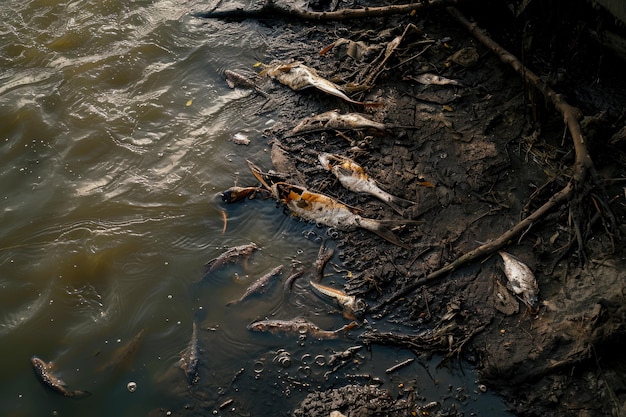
123,356
235,194
325,210
352,306
522,280
189,357
235,79
259,286
299,326
231,255
333,120
44,373
353,177
298,76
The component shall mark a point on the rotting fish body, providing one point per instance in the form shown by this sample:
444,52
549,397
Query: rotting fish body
235,193
353,177
235,79
333,120
298,325
259,286
352,306
189,357
44,373
231,255
522,280
297,76
330,212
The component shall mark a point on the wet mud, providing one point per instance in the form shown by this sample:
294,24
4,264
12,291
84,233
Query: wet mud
476,156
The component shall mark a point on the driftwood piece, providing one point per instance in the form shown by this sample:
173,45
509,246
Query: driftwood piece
271,9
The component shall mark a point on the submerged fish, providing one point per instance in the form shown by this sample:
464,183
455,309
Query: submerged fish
522,280
231,255
330,212
352,176
333,120
123,356
259,286
189,357
297,76
298,325
291,278
44,373
352,306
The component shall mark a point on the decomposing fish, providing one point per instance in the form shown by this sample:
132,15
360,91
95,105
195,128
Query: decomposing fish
327,211
123,356
44,373
323,256
189,357
235,79
352,306
522,280
231,255
353,177
298,76
235,193
284,163
333,120
259,286
428,79
299,326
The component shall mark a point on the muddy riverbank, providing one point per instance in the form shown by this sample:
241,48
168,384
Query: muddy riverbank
476,155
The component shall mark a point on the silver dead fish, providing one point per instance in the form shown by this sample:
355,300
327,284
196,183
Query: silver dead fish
298,76
189,357
44,373
325,210
352,306
333,120
298,326
231,255
259,286
353,177
522,280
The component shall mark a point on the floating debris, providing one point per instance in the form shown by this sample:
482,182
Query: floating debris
298,76
259,286
522,281
353,177
44,373
240,139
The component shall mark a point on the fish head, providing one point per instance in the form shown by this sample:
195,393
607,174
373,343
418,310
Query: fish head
257,326
234,194
532,301
37,362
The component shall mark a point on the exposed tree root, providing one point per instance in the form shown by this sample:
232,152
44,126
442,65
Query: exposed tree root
270,9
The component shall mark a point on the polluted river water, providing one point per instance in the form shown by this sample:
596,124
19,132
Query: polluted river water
116,132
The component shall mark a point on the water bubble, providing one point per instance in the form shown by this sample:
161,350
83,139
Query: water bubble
131,386
258,367
320,360
304,371
306,359
169,296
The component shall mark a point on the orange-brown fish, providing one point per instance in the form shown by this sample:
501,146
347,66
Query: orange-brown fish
259,286
352,176
235,194
298,326
522,280
44,373
352,306
298,76
333,120
231,255
326,210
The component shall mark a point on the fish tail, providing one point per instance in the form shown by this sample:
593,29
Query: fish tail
380,227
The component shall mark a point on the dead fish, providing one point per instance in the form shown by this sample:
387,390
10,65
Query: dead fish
325,210
352,306
428,79
259,286
235,79
231,255
122,357
189,357
44,373
323,256
297,76
333,120
353,177
235,194
522,280
299,326
284,163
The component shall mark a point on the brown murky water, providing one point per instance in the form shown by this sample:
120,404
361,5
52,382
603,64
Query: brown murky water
115,128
